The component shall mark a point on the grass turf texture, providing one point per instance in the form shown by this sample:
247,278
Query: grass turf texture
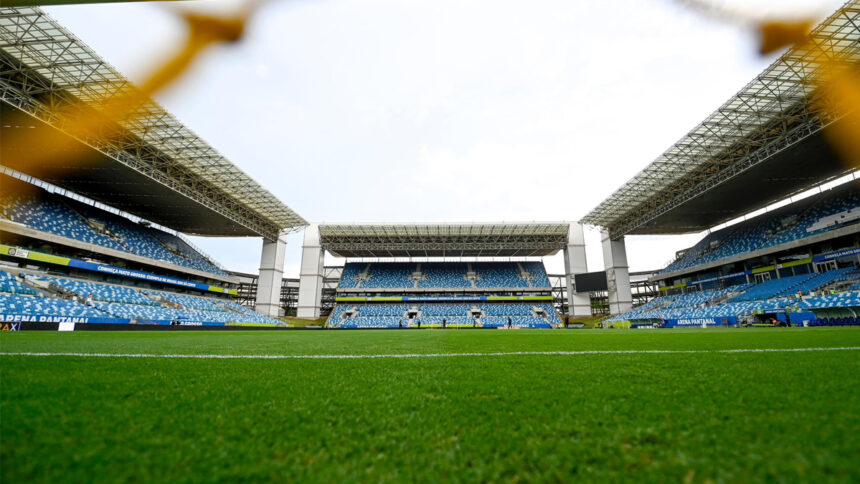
657,417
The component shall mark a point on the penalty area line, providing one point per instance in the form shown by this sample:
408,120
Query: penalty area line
427,355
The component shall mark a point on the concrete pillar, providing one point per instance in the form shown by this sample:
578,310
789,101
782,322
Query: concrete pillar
271,275
617,274
311,274
578,305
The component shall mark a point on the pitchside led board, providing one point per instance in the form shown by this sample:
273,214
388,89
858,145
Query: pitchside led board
590,282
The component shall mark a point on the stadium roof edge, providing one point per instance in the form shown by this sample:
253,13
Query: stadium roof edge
769,116
160,147
465,239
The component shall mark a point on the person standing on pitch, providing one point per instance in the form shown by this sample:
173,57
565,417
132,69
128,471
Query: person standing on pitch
400,323
510,323
444,323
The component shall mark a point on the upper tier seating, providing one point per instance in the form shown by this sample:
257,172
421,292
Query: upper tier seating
393,275
348,279
69,218
49,215
538,270
805,218
443,275
498,274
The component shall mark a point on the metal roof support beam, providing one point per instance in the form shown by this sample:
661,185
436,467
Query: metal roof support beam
45,72
769,112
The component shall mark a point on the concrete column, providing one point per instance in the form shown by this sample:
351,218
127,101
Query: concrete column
271,275
578,305
617,274
311,274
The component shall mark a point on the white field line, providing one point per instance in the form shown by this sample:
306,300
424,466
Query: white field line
431,355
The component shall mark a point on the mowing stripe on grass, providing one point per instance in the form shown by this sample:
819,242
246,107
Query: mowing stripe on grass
431,355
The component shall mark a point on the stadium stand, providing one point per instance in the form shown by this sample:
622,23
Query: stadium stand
69,218
75,298
480,280
443,275
9,283
811,216
784,295
48,215
93,291
486,315
16,304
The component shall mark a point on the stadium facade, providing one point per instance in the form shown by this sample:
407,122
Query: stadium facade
111,204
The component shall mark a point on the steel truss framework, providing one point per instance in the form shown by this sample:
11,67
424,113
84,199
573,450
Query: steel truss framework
444,240
45,71
769,115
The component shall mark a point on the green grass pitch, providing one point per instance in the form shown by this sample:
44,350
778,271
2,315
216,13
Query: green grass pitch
678,417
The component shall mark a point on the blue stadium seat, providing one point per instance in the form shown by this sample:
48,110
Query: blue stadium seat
113,301
75,220
522,315
811,216
443,275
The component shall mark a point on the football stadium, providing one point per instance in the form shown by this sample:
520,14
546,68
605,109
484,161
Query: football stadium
428,351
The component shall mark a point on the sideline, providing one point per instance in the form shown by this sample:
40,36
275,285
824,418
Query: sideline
429,355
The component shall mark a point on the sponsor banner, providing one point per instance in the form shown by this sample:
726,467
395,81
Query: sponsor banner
167,322
28,318
700,322
70,322
719,278
836,255
108,269
799,262
442,298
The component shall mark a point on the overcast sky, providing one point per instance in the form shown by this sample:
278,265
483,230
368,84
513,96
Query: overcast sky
443,111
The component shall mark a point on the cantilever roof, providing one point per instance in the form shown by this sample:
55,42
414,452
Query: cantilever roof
45,67
444,240
769,117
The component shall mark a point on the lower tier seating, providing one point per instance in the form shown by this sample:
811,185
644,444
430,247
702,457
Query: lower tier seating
76,298
9,283
522,315
776,295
